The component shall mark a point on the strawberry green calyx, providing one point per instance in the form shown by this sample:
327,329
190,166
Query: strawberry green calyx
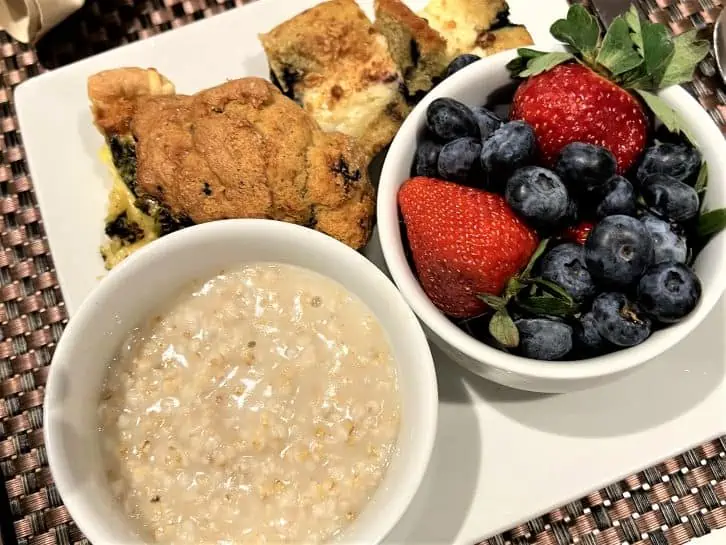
533,295
636,54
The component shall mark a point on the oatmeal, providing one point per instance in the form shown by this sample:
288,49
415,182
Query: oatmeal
260,407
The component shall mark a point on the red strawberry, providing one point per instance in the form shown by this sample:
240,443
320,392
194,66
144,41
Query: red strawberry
578,233
464,241
571,103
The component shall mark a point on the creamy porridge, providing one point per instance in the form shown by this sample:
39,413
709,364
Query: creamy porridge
260,407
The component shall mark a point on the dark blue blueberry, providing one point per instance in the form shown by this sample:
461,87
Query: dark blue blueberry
618,197
449,119
459,159
585,167
588,338
426,159
543,339
488,121
677,160
572,214
565,265
538,195
670,199
667,244
460,62
618,250
512,146
669,291
619,321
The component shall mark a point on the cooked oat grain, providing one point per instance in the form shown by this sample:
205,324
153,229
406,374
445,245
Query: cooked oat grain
261,407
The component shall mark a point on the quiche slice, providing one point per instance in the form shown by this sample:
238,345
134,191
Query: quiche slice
337,66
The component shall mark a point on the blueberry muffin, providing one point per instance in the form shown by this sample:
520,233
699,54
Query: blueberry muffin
238,150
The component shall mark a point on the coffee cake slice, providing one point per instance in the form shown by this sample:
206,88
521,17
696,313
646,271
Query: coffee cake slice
332,61
419,50
481,27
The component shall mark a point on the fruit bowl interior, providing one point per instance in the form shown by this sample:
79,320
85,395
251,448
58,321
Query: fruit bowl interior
487,82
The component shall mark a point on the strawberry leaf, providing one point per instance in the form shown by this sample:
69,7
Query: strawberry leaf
658,49
513,288
702,180
532,260
687,53
618,53
547,305
503,329
711,223
632,17
492,301
545,62
519,63
579,30
554,288
665,113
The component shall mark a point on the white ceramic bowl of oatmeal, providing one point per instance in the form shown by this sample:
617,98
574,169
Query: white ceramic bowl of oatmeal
238,381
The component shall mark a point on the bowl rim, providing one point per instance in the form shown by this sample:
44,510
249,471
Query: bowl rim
397,500
568,371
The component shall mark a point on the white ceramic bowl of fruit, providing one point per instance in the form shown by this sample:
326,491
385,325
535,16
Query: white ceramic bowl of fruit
484,223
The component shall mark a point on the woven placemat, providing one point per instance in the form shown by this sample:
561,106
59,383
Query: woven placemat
682,498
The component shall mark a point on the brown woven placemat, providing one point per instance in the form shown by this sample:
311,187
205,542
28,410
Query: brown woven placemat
666,505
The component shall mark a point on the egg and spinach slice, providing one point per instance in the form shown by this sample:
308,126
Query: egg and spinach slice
133,219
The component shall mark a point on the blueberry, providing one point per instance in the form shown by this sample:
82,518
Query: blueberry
565,265
488,121
585,167
426,159
543,338
538,195
670,199
459,159
669,291
588,338
619,321
572,214
510,147
667,244
618,197
618,250
449,119
677,160
460,62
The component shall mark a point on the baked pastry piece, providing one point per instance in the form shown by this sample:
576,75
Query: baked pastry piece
418,50
502,39
474,26
333,62
239,150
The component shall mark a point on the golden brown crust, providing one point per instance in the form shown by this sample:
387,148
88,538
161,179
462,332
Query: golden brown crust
114,94
429,41
243,150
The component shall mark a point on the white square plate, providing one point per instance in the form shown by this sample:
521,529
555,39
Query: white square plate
502,457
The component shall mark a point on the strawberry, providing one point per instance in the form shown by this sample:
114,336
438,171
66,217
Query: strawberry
578,233
571,103
597,89
464,242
